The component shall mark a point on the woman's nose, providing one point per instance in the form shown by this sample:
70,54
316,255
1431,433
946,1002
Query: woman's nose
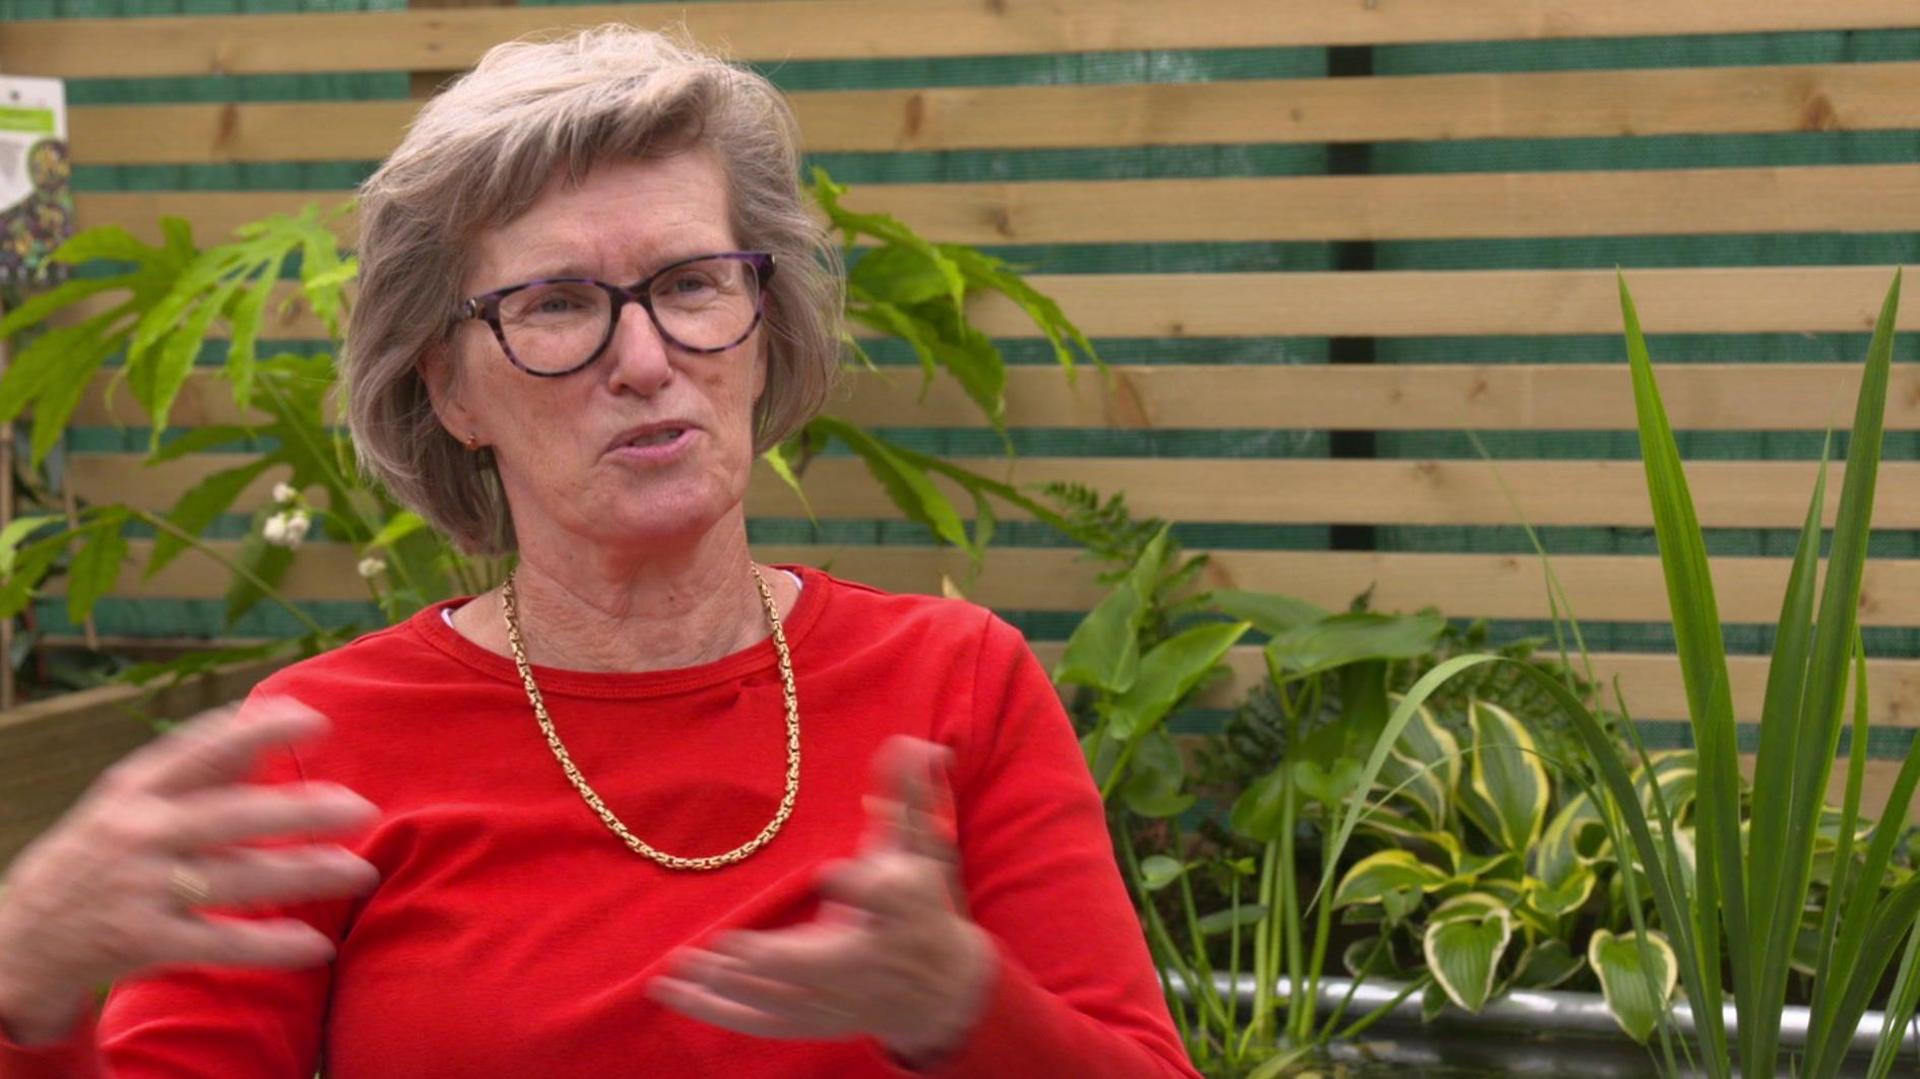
641,362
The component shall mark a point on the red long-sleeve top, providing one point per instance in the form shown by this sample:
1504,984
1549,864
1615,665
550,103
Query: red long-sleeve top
512,935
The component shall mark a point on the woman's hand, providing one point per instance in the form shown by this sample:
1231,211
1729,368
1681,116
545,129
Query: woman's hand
112,888
892,955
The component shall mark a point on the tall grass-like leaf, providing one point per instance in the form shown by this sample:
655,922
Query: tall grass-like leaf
1720,882
1901,1004
1816,731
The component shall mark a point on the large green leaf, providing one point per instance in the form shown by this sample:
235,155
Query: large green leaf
1168,672
1270,613
1349,638
1155,777
1259,812
1637,994
1507,789
1463,950
1104,650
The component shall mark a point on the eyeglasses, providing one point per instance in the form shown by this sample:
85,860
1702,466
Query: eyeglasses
558,325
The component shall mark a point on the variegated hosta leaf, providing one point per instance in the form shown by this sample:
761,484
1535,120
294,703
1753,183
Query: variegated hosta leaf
1504,865
1568,894
1636,996
1547,964
1679,772
1507,789
1463,951
1422,770
1372,878
1577,836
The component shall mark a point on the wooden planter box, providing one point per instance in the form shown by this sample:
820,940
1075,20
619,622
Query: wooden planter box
50,750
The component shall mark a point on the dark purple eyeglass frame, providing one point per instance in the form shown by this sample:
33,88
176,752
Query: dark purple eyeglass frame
486,306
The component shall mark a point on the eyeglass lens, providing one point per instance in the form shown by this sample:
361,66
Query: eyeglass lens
557,326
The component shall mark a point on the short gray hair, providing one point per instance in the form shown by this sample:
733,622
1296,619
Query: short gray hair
478,155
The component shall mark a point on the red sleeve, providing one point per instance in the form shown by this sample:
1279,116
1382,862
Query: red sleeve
199,1021
1076,993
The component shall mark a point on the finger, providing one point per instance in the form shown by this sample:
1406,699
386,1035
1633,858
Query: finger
279,943
805,955
703,1004
237,813
806,1007
909,781
218,747
292,875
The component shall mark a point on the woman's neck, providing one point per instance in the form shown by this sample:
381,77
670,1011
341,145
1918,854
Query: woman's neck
673,608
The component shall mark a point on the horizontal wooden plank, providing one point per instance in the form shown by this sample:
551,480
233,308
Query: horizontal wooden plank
1494,105
1846,198
1727,494
1598,588
1553,104
1861,198
1762,299
1536,397
855,29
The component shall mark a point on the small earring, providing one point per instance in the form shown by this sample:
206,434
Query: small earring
473,442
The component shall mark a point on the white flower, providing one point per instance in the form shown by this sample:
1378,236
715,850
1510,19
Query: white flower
284,493
371,567
286,529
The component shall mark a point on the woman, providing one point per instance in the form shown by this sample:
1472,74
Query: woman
649,806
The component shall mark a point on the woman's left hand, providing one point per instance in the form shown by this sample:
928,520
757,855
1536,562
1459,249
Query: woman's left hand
892,955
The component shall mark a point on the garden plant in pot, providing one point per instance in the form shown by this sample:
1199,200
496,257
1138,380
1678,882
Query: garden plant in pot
1461,841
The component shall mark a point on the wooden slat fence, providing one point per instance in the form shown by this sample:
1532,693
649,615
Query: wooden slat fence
1316,240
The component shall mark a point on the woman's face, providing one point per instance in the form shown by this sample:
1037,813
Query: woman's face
650,443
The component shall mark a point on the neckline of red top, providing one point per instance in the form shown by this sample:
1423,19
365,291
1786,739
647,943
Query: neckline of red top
431,627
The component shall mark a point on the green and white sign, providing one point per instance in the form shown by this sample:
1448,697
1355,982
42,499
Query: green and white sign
36,192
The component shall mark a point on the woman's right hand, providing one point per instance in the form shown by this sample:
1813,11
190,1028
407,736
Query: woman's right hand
114,886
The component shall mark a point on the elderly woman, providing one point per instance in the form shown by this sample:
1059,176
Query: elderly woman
648,807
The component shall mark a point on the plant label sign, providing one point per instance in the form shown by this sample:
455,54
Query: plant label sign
36,193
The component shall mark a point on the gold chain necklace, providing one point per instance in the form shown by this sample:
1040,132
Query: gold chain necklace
613,823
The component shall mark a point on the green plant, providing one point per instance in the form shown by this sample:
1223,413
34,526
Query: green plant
156,306
1736,902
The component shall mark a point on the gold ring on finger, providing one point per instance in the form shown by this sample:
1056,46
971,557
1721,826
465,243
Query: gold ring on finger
189,886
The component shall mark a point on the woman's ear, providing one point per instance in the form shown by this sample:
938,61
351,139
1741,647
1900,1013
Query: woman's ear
435,367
